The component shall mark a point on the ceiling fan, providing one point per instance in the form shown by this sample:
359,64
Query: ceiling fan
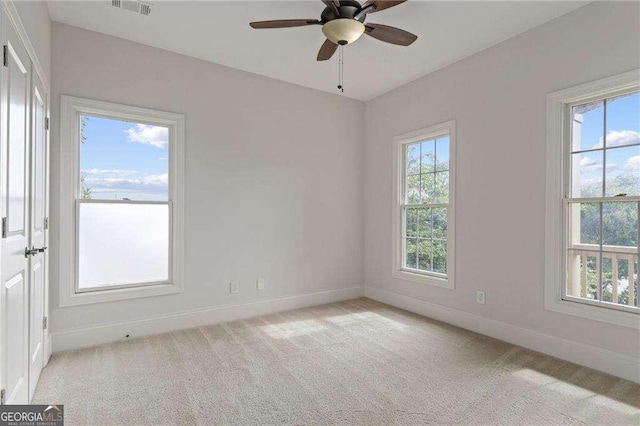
343,23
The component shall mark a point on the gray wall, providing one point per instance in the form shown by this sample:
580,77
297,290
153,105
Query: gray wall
274,191
273,175
498,99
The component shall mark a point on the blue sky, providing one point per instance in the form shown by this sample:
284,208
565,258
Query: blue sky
120,159
623,139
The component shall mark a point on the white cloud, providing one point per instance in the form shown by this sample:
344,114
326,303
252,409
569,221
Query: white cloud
633,164
117,172
143,182
619,138
586,161
587,165
149,135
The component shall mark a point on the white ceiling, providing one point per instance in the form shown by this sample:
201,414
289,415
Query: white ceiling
218,31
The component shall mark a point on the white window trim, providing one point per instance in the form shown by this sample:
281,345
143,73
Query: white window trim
70,110
557,139
399,142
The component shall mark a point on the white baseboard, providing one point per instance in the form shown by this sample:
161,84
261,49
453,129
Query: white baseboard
92,336
610,362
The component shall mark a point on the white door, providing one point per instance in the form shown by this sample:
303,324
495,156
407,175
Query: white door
15,207
38,233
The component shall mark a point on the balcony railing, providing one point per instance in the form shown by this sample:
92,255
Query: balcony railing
578,282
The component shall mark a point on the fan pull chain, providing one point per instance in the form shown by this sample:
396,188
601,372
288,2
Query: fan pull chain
341,69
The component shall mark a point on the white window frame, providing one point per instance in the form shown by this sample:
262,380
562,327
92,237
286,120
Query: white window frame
558,139
70,110
399,143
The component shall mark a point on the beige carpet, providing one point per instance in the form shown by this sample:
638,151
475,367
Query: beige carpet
356,362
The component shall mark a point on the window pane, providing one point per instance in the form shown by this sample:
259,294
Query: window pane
623,120
623,171
440,257
411,222
410,253
574,273
626,295
424,223
123,160
440,223
586,178
123,244
427,188
442,187
584,224
442,153
428,156
424,255
588,126
607,286
413,159
593,268
620,224
413,189
583,269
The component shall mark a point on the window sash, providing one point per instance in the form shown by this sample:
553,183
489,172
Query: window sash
599,249
79,201
405,205
568,200
169,279
170,151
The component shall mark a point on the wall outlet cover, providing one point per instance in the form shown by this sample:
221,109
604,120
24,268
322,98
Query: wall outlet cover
480,297
260,284
234,287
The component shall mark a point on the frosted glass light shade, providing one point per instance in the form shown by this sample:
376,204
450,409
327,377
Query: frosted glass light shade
343,30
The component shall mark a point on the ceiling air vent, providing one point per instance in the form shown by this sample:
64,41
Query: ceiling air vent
142,8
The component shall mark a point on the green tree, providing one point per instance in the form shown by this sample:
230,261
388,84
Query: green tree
619,228
85,191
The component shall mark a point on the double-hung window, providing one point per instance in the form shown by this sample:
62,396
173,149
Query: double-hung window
424,210
594,172
121,201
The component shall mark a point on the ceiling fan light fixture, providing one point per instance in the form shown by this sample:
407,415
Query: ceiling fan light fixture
343,30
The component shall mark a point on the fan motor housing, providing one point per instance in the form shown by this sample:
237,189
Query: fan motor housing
348,9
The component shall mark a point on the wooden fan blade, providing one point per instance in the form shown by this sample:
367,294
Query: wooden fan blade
390,34
381,5
327,50
284,23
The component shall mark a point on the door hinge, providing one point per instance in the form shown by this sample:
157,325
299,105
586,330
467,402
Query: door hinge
5,56
4,227
46,123
2,396
46,223
44,323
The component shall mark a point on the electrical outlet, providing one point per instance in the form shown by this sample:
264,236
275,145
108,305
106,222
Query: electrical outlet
480,297
260,284
234,287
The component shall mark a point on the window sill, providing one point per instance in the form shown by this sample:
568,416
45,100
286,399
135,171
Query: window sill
597,313
407,275
111,295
